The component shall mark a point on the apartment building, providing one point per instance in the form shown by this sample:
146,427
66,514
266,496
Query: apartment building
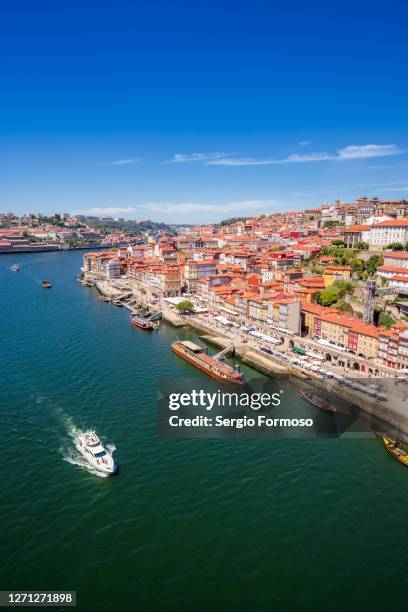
194,270
284,313
101,264
163,280
393,347
351,334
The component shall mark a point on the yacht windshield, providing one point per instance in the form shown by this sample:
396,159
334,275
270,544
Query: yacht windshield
100,454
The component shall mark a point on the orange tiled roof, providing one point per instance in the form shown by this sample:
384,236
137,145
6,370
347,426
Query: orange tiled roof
400,278
357,228
396,255
393,223
393,269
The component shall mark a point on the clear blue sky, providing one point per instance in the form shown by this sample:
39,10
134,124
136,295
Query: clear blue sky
195,111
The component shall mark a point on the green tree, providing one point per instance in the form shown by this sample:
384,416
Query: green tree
386,320
316,270
358,266
361,246
185,306
372,264
328,296
395,246
333,224
333,294
339,243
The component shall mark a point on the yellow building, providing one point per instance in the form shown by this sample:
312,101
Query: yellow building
336,273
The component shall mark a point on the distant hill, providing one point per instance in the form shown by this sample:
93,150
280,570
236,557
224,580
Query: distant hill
127,226
231,220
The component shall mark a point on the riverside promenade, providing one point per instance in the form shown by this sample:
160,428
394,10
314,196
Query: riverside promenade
386,416
390,415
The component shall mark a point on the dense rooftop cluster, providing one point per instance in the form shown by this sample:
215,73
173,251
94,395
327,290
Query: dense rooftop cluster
297,272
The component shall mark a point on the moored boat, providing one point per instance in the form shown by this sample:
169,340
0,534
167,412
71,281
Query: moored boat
95,453
15,268
316,401
143,323
117,303
195,355
393,449
46,284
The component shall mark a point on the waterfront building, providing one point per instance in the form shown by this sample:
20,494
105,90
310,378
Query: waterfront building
194,270
340,330
284,313
102,265
159,280
393,347
112,268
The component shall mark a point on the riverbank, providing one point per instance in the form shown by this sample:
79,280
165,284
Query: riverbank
386,416
57,248
389,413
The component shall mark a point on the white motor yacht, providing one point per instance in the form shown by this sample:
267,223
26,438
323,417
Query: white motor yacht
95,453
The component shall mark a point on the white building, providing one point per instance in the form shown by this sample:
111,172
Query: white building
396,259
385,233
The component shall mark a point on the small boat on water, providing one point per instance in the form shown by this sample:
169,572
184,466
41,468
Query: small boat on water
195,355
15,268
95,453
117,303
104,298
142,323
46,284
393,449
316,401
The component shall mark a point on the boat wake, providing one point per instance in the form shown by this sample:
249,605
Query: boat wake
68,422
70,455
70,431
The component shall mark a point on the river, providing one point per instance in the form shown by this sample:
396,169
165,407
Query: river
194,524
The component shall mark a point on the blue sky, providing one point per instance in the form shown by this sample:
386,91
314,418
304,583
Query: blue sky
196,111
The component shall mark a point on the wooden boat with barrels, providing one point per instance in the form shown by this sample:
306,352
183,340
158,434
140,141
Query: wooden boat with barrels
195,355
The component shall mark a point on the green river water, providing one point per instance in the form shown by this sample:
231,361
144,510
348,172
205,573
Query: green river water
245,524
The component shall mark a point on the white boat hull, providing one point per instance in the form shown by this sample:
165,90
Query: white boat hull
108,468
